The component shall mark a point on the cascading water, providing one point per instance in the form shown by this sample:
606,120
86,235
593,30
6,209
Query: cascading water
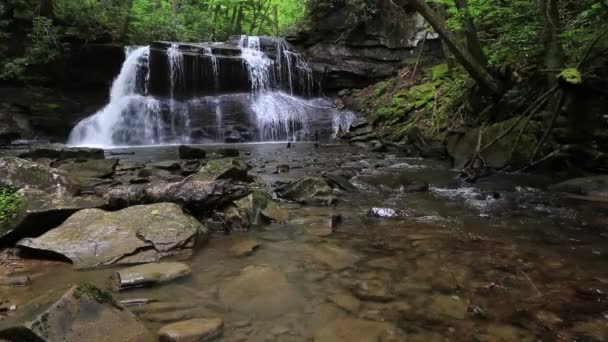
249,89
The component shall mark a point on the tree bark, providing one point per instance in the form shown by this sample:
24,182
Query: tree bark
174,7
47,9
474,67
554,54
472,38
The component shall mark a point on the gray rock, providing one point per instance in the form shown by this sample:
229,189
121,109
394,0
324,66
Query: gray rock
199,330
38,212
14,124
61,152
340,182
308,190
145,233
100,168
227,168
168,165
187,152
20,173
148,275
191,194
587,186
83,313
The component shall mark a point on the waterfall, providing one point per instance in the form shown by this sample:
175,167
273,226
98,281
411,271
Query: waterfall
248,89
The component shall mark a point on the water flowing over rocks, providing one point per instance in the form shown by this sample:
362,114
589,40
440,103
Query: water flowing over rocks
93,237
83,313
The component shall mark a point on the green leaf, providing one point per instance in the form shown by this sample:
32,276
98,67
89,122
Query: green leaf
572,76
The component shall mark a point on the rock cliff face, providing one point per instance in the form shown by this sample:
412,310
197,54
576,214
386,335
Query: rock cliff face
354,56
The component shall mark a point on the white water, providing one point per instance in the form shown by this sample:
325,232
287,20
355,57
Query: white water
214,66
258,64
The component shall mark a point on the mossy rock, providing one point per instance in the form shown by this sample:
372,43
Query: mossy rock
439,72
226,168
20,173
309,190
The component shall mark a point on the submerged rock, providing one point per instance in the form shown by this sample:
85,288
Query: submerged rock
100,168
332,256
192,194
83,313
144,233
187,152
149,274
20,173
199,330
227,168
308,190
38,212
61,152
587,186
260,207
244,248
261,291
350,329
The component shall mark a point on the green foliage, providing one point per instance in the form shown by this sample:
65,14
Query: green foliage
571,75
9,204
439,72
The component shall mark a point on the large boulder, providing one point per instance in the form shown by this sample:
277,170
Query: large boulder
462,147
83,313
259,208
14,124
226,168
138,234
20,173
96,168
587,186
61,152
192,194
38,211
308,190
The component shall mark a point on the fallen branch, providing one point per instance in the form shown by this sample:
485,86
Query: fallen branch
550,155
531,283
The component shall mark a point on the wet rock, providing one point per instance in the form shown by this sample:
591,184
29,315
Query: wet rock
168,165
386,213
39,211
334,257
261,291
20,173
340,181
308,190
187,152
388,263
99,168
168,317
61,152
199,330
596,329
229,152
126,165
260,208
319,225
587,186
350,330
283,168
191,194
244,248
373,290
346,302
148,275
16,281
83,313
153,172
504,333
448,306
227,168
138,234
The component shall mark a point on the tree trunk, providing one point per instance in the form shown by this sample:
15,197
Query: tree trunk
474,67
444,48
238,25
47,9
554,54
472,38
275,17
174,7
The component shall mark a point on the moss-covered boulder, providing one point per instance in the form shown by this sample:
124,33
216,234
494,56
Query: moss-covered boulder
138,234
308,190
96,168
462,147
35,212
82,313
61,152
587,186
256,208
20,173
226,168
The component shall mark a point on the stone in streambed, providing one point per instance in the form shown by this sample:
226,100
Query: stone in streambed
20,173
83,313
308,190
100,168
38,212
138,234
227,168
346,302
260,207
187,152
167,165
149,274
332,256
61,152
244,248
199,330
587,186
16,281
351,330
373,290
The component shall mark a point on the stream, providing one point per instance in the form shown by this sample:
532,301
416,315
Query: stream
499,260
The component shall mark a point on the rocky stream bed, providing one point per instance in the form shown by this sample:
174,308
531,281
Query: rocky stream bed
262,242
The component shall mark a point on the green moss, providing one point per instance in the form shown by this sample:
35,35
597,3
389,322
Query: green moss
572,76
102,297
9,205
439,71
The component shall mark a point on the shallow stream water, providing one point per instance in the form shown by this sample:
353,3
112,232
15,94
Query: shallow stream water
501,260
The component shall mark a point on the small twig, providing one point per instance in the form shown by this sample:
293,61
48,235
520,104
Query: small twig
531,282
550,155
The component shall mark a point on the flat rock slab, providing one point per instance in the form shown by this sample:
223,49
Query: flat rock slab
226,168
100,168
139,234
60,151
83,313
199,330
332,256
260,291
354,330
20,173
149,274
